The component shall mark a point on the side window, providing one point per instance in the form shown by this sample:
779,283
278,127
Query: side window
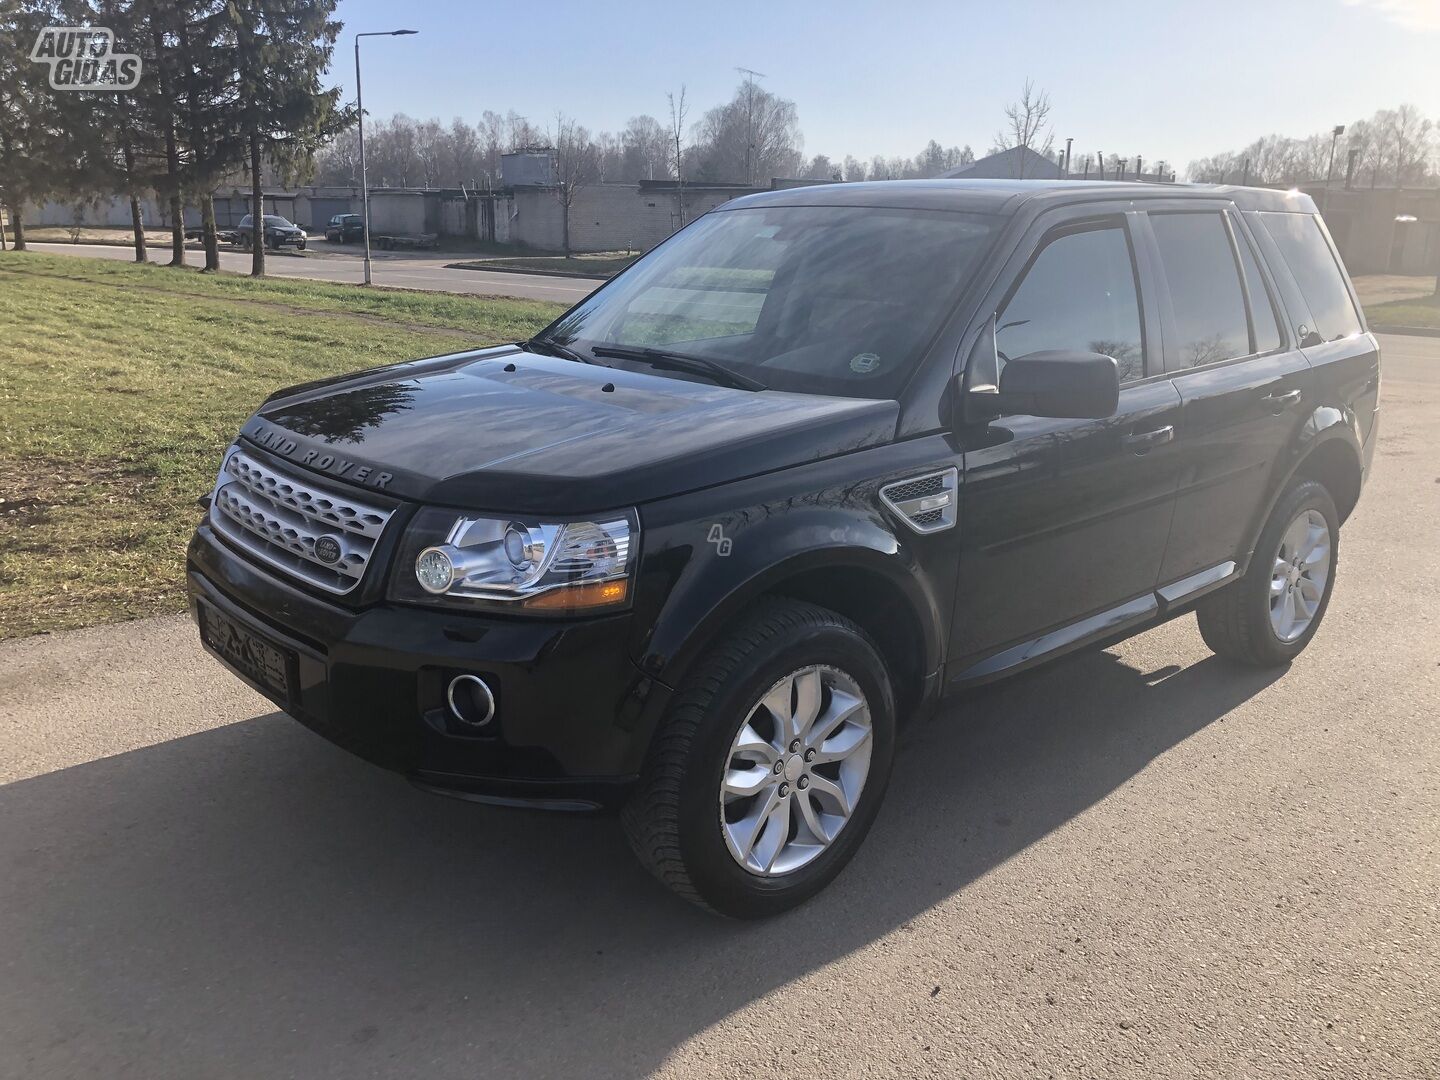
1078,294
1205,293
1300,240
1264,319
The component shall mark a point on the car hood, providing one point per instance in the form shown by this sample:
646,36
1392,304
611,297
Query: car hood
509,430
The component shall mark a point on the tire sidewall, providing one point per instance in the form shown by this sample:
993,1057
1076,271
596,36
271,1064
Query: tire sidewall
727,886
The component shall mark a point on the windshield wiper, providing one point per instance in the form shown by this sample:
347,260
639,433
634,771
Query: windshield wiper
694,365
545,345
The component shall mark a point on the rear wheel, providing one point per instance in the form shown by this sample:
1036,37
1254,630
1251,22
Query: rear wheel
1268,617
770,766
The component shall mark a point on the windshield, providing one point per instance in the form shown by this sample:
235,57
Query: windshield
818,299
271,219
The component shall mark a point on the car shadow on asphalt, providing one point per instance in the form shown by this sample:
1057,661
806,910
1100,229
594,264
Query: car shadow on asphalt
252,901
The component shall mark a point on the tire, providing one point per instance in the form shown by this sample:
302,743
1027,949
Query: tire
1236,622
676,818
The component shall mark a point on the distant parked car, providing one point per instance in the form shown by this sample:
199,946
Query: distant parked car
344,228
278,232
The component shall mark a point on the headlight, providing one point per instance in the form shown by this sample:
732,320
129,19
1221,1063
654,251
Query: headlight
517,564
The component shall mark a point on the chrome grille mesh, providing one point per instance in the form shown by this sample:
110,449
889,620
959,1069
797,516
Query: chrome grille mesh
925,503
278,518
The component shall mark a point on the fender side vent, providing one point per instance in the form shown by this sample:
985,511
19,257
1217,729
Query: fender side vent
926,503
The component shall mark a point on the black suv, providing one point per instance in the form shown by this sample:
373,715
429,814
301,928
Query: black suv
278,232
822,458
343,228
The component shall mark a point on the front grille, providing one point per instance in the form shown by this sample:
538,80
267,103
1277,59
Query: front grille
278,518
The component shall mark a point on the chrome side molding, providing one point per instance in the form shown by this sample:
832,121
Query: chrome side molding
1196,583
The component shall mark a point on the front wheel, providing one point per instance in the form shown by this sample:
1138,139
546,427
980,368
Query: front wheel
770,766
1268,617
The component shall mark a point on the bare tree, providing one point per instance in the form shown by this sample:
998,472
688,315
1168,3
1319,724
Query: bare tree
431,150
1410,134
753,135
678,111
575,166
1027,127
644,149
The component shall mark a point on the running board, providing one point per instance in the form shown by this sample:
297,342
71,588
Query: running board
1097,627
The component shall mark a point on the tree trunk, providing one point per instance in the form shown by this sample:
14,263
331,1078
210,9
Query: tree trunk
172,156
137,222
177,229
565,226
257,211
212,240
17,227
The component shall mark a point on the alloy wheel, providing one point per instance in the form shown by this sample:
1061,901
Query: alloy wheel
795,771
1300,574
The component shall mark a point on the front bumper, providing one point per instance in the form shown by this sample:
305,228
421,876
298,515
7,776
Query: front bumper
573,713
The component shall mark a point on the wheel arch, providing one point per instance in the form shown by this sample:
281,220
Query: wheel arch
876,587
1337,465
1329,449
867,598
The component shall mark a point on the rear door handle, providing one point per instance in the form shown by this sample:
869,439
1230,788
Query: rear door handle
1279,401
1141,441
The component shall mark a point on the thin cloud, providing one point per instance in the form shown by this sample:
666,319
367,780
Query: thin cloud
1421,15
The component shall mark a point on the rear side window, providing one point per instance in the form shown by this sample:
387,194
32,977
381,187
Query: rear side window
1300,240
1078,294
1205,291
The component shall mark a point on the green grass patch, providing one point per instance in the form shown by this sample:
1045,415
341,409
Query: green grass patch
1419,312
121,385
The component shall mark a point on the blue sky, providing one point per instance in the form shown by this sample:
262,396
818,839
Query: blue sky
1162,79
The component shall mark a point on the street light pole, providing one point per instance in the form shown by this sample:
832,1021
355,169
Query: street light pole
360,108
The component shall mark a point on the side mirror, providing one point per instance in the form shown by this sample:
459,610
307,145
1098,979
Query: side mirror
1060,383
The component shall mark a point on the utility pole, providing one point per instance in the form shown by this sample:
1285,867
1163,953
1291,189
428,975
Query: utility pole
360,108
1067,157
750,77
1330,172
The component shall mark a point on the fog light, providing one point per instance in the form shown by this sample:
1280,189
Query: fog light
434,570
471,701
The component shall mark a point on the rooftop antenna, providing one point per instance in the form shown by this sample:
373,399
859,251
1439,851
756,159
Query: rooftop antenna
750,77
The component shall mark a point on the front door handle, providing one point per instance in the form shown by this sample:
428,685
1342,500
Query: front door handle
1142,441
1279,401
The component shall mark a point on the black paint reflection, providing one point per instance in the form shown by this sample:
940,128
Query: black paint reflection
346,416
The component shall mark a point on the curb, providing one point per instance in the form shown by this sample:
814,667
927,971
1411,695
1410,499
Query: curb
1408,331
531,273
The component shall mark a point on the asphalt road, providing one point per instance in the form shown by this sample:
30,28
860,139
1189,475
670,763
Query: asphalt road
417,270
1135,863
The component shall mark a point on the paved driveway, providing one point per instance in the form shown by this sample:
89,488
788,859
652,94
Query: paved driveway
1135,863
418,270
